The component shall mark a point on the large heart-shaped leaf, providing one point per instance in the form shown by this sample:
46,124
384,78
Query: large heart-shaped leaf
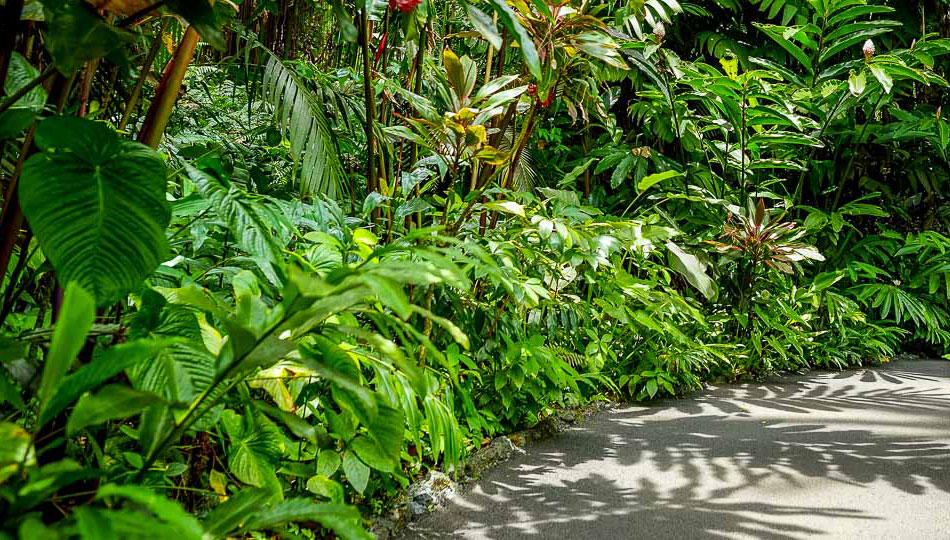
97,206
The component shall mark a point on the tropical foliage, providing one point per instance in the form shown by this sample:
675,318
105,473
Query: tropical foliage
266,262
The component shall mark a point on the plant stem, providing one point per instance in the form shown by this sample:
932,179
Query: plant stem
369,102
143,76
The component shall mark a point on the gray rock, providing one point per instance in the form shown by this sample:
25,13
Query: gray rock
431,493
499,450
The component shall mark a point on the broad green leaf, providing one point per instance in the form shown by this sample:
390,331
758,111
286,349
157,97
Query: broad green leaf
75,319
178,372
576,172
623,170
113,402
245,215
201,15
94,523
880,73
693,270
654,179
333,364
356,472
97,206
328,462
372,453
10,393
325,487
410,207
779,35
299,426
255,450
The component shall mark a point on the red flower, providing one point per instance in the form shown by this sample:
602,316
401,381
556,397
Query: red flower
404,6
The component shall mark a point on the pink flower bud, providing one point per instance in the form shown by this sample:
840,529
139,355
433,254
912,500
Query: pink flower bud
868,50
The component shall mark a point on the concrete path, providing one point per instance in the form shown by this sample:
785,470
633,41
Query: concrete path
861,454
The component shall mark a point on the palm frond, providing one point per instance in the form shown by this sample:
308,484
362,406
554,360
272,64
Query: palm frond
303,120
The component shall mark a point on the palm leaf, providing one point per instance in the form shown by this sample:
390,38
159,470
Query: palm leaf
302,118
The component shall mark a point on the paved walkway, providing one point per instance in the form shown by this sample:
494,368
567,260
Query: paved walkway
861,454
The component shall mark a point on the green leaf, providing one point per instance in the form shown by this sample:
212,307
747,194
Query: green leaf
10,393
16,449
19,117
75,319
335,365
108,364
342,520
506,207
200,14
325,487
97,206
508,18
301,116
328,462
652,387
654,179
693,270
249,220
165,509
356,472
483,23
94,524
372,454
179,372
576,172
111,403
255,449
75,35
233,513
880,73
299,426
391,294
623,170
778,34
347,28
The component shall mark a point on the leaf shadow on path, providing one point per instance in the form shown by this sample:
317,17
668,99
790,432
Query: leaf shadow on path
777,460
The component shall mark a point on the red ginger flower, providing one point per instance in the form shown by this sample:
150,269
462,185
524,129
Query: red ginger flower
404,6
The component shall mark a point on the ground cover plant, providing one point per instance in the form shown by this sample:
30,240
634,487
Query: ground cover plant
266,262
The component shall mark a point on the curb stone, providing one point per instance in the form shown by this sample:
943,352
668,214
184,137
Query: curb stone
436,489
